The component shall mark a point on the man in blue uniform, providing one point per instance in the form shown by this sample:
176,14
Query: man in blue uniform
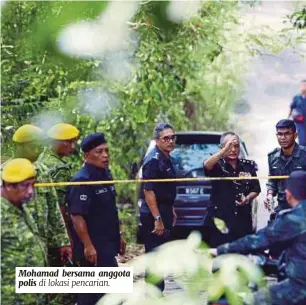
283,160
288,230
156,211
95,232
298,113
231,199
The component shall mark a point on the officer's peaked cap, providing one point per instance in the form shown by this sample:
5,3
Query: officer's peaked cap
92,141
286,123
296,184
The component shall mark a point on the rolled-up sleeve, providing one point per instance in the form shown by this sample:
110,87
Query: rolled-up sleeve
79,198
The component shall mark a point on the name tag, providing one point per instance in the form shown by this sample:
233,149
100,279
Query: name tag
101,191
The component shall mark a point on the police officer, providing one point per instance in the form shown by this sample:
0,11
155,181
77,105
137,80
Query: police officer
156,211
44,207
20,245
283,160
298,113
232,200
96,233
289,229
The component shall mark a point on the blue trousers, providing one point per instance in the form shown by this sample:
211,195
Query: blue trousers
301,130
151,240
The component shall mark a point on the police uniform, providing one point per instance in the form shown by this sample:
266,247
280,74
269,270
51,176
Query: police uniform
157,166
20,244
238,218
280,165
288,230
97,205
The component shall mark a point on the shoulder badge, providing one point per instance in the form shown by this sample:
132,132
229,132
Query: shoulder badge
274,151
250,162
303,148
156,156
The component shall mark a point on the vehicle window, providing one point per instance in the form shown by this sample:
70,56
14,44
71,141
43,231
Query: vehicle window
191,156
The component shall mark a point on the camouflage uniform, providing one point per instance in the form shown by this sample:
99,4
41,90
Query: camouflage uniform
59,170
288,230
20,247
280,165
46,213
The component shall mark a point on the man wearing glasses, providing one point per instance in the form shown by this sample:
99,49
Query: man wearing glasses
156,211
283,160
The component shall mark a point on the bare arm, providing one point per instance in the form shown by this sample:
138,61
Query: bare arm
290,113
81,229
152,203
211,161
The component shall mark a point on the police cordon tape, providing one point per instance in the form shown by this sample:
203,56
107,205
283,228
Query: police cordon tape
46,184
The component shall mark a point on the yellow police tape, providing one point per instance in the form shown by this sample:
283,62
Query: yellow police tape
158,180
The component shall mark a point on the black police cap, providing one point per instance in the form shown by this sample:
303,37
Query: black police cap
93,140
286,123
296,184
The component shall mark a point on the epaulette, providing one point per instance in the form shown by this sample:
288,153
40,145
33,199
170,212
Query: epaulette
303,148
274,151
250,162
156,156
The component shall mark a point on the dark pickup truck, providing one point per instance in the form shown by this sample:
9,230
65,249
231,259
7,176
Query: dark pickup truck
192,198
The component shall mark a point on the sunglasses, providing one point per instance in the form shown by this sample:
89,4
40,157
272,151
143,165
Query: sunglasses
284,134
167,139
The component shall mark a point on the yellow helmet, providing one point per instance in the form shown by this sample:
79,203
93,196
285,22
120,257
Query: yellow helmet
28,133
63,131
18,170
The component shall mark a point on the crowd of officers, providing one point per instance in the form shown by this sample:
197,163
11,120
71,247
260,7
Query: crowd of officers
80,223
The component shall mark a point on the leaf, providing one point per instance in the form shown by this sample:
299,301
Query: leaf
221,225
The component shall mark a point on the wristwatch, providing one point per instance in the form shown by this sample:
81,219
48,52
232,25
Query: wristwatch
157,218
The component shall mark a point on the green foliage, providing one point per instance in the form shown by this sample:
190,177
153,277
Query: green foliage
190,264
188,73
167,85
298,19
129,224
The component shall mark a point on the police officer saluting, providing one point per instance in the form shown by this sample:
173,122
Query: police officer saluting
289,230
156,211
96,233
283,160
232,200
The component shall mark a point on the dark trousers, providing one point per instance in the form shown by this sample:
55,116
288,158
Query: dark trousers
104,260
152,241
301,129
276,250
217,238
285,292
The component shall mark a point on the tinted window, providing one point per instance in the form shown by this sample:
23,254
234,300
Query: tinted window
191,156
